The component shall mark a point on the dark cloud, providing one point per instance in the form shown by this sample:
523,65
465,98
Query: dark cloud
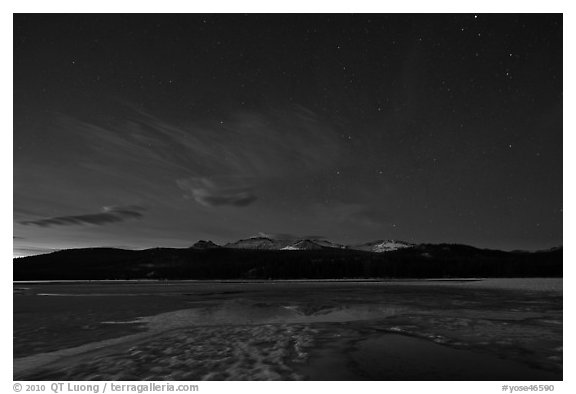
108,215
238,199
211,193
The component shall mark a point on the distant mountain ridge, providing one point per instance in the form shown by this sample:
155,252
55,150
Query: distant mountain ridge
262,242
266,243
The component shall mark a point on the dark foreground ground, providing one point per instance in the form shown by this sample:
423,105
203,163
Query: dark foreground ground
494,329
420,261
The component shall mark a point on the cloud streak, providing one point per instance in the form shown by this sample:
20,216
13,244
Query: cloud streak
107,216
244,144
219,160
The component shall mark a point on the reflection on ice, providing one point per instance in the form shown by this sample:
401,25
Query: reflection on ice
285,331
244,312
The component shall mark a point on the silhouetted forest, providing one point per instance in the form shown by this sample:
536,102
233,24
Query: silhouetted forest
423,261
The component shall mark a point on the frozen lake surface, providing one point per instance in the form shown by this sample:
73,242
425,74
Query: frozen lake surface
494,329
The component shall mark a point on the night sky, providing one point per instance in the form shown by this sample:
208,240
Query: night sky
138,131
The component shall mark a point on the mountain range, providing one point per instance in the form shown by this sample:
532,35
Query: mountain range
266,258
266,243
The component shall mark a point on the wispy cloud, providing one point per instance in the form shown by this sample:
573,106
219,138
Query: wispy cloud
108,215
242,145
